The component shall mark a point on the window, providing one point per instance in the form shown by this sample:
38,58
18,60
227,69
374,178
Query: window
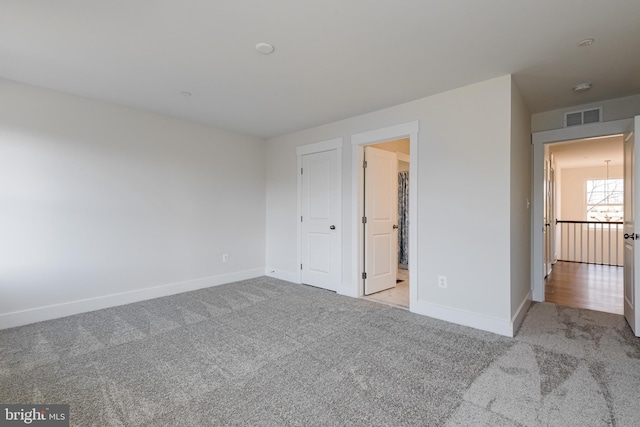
605,200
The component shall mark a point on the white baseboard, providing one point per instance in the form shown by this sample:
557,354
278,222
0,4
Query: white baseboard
518,317
348,290
464,318
287,276
24,317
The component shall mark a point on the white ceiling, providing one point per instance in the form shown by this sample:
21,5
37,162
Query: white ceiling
334,58
588,152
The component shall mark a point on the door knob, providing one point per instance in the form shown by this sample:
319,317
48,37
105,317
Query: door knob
332,227
395,226
632,236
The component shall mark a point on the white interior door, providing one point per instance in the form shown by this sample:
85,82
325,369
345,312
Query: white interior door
320,246
631,214
547,218
381,213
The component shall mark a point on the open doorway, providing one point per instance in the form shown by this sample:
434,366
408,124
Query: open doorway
359,142
386,228
583,223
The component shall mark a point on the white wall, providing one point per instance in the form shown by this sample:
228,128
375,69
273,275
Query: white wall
465,199
612,109
521,162
403,166
99,202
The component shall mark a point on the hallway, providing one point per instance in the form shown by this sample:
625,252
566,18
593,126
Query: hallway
592,286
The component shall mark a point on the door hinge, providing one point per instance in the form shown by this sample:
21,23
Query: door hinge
364,164
364,219
300,266
300,218
364,275
301,171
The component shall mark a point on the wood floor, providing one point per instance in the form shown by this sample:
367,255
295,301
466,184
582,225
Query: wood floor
596,287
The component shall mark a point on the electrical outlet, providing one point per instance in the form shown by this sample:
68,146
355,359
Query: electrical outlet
225,257
442,281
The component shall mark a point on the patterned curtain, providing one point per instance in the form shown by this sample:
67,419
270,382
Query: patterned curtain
403,219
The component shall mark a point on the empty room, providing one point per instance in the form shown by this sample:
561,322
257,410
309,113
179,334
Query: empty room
316,213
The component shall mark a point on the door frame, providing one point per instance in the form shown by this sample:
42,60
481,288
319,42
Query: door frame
358,142
549,212
539,139
320,147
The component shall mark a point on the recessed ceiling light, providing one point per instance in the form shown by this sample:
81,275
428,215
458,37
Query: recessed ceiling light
265,48
586,42
185,94
582,87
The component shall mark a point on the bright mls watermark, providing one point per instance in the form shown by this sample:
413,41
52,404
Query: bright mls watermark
34,415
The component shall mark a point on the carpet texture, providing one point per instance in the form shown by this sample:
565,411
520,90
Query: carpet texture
264,352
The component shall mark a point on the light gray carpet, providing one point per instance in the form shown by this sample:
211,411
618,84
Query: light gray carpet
267,352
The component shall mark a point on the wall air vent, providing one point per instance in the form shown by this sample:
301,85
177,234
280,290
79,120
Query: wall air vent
583,117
